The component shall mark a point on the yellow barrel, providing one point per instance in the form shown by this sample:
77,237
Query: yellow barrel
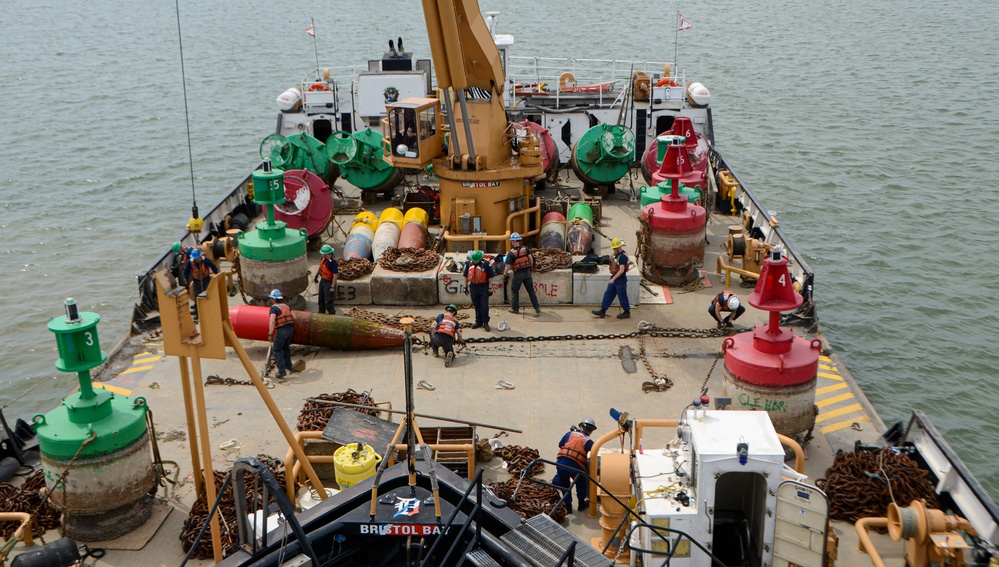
354,462
368,218
391,214
417,214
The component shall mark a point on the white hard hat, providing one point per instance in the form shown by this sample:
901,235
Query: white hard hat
276,294
588,423
733,303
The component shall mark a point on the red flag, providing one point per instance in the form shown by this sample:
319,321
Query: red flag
684,24
311,30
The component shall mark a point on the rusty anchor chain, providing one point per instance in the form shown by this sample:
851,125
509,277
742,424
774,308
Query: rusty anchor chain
530,499
409,260
548,259
27,498
315,415
355,268
862,484
518,458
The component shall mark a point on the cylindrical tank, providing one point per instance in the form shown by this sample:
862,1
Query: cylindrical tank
579,229
391,214
100,437
603,154
368,218
387,236
414,235
289,99
354,462
271,255
417,214
552,231
358,244
677,232
317,329
359,157
769,368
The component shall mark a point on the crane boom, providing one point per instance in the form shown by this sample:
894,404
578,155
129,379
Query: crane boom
463,50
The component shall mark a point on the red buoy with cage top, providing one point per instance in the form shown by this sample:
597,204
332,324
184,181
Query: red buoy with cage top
769,368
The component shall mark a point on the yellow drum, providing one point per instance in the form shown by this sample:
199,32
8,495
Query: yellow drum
354,462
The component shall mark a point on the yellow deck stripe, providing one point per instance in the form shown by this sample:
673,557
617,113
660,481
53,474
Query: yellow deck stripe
151,358
832,388
115,389
844,424
828,367
824,358
830,376
838,412
135,369
834,400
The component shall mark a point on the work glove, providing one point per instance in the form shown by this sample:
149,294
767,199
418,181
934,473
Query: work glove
315,279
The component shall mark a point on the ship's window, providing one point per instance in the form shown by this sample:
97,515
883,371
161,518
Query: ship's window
402,126
428,123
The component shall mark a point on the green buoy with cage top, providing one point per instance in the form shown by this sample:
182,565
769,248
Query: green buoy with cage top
99,436
272,256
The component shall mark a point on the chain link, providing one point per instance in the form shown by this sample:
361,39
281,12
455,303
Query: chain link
354,268
409,260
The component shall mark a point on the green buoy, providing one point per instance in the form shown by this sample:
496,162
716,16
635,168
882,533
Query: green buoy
604,154
271,256
100,436
360,159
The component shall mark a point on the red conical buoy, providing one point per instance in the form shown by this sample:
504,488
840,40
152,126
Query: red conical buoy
769,368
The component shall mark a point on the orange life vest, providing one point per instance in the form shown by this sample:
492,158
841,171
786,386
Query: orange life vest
722,299
575,448
200,270
477,274
615,265
324,271
521,258
284,317
447,325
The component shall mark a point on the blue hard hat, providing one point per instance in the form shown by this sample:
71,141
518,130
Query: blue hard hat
276,294
195,254
515,236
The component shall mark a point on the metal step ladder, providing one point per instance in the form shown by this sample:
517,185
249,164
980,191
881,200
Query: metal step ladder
542,541
480,558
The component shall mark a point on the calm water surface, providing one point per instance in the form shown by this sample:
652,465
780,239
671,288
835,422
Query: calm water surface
872,128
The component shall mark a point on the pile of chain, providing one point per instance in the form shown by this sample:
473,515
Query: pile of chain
315,415
355,268
420,324
548,259
530,499
861,485
517,459
409,260
26,498
227,516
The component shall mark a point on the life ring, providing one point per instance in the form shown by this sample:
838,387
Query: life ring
565,78
314,87
666,82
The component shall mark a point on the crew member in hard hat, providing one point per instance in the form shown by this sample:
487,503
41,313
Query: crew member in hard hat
199,272
572,457
178,262
281,329
726,301
618,283
443,331
478,274
329,272
521,261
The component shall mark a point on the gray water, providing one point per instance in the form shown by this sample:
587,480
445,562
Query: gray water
872,128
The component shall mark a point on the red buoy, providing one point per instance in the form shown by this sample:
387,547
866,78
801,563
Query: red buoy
677,230
769,368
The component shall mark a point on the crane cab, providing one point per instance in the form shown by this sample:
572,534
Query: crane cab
412,132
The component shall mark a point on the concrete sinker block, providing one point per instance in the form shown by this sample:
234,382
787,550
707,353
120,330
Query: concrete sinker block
552,288
588,289
451,286
403,288
354,292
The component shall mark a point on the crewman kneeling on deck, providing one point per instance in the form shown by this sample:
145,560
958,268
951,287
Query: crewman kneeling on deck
443,331
572,456
282,327
477,277
199,272
329,272
726,301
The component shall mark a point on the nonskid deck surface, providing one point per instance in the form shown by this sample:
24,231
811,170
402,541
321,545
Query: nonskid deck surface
555,383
